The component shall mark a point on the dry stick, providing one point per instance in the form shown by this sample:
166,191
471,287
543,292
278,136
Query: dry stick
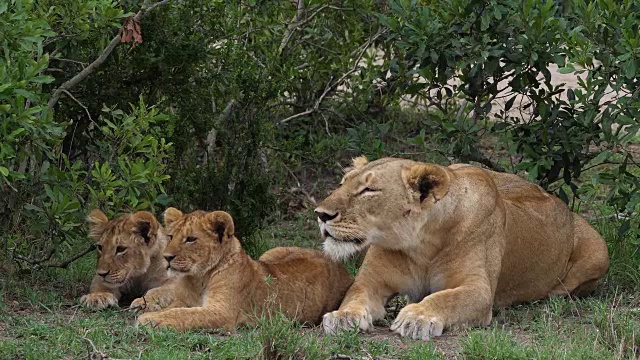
97,62
38,263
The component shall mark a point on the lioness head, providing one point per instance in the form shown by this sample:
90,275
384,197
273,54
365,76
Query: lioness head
386,202
124,244
198,240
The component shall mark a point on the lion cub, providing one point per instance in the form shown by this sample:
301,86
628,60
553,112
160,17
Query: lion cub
130,258
220,286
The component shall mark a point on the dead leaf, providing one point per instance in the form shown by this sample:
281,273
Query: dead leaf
131,31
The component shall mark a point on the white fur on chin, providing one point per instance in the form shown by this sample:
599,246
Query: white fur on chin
339,250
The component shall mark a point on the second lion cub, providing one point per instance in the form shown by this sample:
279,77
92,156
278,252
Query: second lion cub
220,286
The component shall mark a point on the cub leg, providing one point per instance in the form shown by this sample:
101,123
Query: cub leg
100,296
588,263
174,293
190,318
379,277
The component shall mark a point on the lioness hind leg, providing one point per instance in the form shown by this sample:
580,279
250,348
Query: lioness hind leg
588,263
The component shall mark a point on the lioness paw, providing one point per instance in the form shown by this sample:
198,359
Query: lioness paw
414,323
99,300
346,320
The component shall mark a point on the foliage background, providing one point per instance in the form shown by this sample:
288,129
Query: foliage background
254,107
251,107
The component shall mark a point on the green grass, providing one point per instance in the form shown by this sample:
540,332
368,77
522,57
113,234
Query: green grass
40,319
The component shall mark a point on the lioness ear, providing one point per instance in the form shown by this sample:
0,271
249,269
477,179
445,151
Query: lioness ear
145,225
97,224
221,224
428,180
357,163
171,215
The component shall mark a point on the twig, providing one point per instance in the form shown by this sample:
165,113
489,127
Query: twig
79,103
38,263
331,86
293,25
97,62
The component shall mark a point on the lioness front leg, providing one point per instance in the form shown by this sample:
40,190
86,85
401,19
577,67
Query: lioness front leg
100,296
466,304
378,279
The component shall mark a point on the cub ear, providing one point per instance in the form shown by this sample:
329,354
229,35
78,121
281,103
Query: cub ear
97,224
171,215
221,224
428,180
145,225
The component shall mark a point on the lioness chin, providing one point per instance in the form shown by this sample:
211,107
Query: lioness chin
219,286
456,239
130,258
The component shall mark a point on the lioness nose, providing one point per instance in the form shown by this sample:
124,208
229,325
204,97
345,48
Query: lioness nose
103,273
325,216
169,257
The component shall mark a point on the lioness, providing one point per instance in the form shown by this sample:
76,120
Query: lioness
129,257
456,240
222,287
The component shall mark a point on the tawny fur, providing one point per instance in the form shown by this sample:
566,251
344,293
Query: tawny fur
219,286
138,267
457,240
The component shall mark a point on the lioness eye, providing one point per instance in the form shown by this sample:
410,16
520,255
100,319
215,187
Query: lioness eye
99,247
190,239
120,249
367,189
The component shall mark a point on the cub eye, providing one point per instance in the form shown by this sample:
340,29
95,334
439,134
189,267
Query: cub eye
99,247
120,250
190,239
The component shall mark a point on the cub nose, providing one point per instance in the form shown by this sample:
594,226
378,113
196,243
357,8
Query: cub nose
169,257
103,273
325,216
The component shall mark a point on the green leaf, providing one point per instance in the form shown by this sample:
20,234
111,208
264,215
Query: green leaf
42,79
630,69
626,225
567,69
4,171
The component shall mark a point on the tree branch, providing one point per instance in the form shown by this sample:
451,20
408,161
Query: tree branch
97,62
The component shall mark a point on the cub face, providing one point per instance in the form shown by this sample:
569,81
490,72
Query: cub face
198,240
124,245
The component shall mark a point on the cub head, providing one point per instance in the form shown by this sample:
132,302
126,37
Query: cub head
124,244
198,240
387,202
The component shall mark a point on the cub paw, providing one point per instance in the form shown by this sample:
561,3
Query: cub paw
346,320
99,300
145,304
413,322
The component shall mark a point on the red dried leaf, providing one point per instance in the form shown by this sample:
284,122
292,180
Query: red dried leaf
131,31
